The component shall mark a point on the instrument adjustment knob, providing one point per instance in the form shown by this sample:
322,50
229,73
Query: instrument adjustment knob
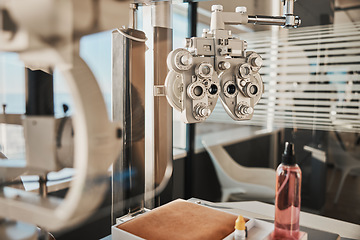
217,8
244,110
242,83
241,9
203,111
224,65
245,70
257,61
180,59
186,60
204,70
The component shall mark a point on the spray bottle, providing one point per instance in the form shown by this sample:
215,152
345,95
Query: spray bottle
288,196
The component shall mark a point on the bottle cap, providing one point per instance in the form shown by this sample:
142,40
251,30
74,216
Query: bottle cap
288,157
240,223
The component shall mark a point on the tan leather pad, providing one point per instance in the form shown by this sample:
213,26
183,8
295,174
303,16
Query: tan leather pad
181,220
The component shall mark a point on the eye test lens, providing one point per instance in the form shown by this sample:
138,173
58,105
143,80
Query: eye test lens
198,91
213,89
253,90
231,89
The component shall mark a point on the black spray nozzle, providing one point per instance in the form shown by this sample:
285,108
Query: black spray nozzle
289,149
288,156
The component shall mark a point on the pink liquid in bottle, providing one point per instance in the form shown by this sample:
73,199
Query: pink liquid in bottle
288,197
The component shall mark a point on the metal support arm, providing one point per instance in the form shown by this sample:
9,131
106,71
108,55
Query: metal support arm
273,20
219,18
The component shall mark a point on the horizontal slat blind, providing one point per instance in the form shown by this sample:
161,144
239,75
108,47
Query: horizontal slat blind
311,77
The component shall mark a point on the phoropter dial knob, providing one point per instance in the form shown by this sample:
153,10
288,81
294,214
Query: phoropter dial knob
204,70
255,61
201,111
224,65
242,110
244,70
180,60
183,60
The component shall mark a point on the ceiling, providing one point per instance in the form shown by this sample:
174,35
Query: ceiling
347,11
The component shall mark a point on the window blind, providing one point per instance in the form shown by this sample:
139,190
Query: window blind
311,77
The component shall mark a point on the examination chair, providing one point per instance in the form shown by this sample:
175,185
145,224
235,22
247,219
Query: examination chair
239,183
345,160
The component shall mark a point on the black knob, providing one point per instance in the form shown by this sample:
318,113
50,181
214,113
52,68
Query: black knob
231,89
213,89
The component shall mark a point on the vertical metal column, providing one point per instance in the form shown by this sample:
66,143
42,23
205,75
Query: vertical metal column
39,95
128,98
163,112
190,128
159,112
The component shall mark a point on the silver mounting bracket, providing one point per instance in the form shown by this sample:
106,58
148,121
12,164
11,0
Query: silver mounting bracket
159,91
